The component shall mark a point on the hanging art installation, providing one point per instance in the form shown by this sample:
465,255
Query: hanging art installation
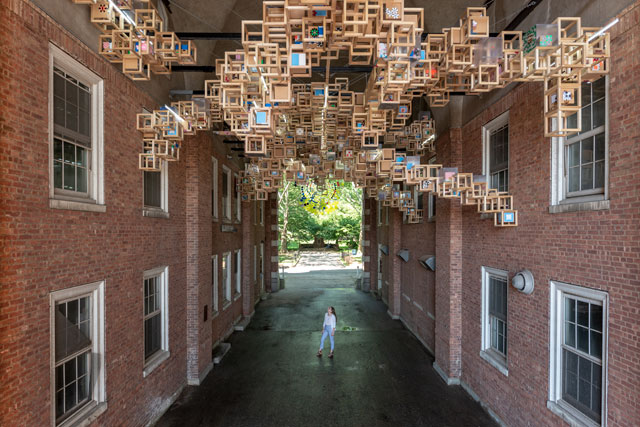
319,130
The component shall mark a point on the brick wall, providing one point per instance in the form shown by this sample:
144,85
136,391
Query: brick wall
45,250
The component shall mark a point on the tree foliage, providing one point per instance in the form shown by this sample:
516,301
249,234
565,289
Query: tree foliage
341,225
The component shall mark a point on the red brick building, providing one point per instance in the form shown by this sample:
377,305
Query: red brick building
159,268
580,240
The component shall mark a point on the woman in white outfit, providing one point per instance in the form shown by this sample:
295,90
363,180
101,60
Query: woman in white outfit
328,329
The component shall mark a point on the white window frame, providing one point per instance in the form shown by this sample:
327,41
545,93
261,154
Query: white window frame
214,186
99,402
487,129
556,321
238,198
227,280
94,201
163,354
226,202
237,254
214,285
559,182
486,352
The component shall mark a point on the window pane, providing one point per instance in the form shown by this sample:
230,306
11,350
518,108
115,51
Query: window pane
599,147
570,377
71,117
582,311
586,93
598,113
598,179
152,335
596,317
583,339
587,177
69,177
570,334
69,153
596,344
598,88
574,154
57,174
82,180
570,309
587,150
152,189
586,118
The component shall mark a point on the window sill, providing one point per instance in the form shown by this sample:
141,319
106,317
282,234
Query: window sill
214,314
86,415
214,218
236,296
494,361
226,305
569,206
431,219
155,361
73,205
570,415
155,213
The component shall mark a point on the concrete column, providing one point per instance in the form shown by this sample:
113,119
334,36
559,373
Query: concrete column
448,304
198,233
248,290
395,268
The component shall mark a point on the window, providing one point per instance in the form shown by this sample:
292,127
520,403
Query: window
578,353
214,188
584,153
76,123
261,212
226,192
494,318
226,278
238,198
156,320
496,152
255,213
431,214
214,285
580,162
156,189
379,212
255,263
77,359
238,271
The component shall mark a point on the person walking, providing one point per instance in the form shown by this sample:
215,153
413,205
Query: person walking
328,329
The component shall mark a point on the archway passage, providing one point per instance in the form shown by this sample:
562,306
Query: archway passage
380,375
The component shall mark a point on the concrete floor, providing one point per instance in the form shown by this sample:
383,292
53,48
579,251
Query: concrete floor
380,375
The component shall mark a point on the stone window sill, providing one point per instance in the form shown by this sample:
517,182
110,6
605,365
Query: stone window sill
570,415
236,296
214,314
73,205
226,305
155,361
495,361
155,213
568,206
86,415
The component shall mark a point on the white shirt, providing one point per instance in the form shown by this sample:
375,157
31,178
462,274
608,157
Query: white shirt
329,319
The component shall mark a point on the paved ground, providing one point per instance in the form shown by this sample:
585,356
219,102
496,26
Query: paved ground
380,375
